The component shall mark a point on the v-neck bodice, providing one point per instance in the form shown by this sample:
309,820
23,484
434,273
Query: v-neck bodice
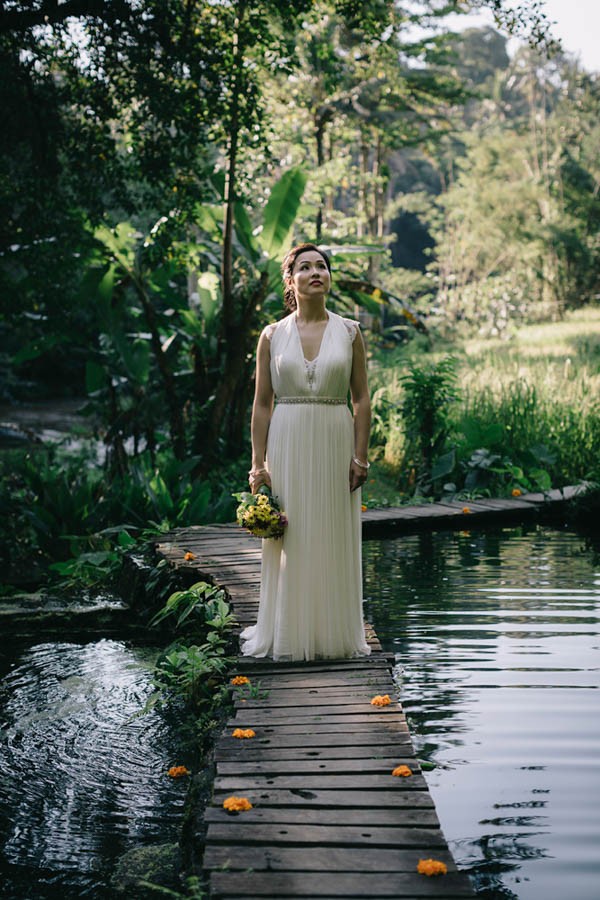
327,375
304,356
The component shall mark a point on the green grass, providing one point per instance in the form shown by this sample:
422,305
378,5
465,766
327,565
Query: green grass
542,387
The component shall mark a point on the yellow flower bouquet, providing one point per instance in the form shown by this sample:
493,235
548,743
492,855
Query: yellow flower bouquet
260,513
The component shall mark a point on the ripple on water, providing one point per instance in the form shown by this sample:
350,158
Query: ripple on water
82,777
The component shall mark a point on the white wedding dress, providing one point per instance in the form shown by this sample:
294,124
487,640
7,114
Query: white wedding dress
311,579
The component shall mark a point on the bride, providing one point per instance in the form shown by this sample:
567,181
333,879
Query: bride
312,451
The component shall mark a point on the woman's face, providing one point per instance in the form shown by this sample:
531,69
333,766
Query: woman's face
310,275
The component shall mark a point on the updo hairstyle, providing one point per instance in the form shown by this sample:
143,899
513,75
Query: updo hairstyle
287,267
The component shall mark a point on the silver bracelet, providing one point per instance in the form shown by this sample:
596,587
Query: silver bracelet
362,465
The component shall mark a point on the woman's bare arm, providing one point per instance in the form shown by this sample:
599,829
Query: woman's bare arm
261,411
361,403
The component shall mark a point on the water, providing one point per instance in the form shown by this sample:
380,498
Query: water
497,639
51,421
82,778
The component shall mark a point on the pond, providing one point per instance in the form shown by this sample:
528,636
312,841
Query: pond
82,776
497,639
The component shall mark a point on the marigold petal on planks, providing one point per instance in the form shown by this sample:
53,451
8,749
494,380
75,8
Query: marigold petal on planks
236,804
240,679
243,733
466,510
431,867
178,771
189,556
516,492
381,700
402,771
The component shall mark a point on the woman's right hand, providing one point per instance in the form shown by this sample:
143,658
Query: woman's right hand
257,479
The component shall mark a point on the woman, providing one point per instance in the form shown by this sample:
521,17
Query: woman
313,454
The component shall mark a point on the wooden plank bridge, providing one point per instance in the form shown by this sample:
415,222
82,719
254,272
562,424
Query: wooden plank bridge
328,818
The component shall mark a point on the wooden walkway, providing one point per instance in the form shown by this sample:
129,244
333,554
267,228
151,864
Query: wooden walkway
328,818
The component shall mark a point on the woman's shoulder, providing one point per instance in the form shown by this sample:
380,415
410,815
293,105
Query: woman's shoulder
269,330
352,327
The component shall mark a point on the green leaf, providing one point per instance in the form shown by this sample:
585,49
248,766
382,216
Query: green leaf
541,478
443,465
95,377
162,500
209,294
281,210
125,540
36,348
106,285
543,454
243,231
192,323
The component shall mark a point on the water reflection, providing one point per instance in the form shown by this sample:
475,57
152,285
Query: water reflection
82,778
497,639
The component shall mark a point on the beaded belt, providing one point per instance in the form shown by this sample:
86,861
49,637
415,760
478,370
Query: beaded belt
328,400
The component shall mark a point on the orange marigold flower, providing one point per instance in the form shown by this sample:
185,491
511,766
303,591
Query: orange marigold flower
431,867
178,771
381,700
363,508
516,492
236,804
466,509
243,733
403,771
189,556
240,679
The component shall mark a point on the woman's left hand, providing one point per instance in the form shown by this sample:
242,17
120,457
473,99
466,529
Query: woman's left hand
358,476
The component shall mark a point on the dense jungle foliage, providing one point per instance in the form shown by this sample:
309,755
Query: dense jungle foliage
158,157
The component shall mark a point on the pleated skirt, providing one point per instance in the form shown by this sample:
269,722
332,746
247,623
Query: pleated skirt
311,579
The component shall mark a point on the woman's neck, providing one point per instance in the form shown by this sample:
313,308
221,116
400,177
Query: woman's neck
307,311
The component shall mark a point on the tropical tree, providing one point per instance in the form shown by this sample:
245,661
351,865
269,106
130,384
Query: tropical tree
515,229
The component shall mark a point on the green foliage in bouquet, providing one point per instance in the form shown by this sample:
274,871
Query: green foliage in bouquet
260,513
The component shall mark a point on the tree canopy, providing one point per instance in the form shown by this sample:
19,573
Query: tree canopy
158,155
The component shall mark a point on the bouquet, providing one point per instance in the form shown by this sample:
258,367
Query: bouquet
260,513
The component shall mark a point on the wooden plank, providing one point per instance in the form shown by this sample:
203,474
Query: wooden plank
360,681
319,797
354,743
326,884
277,702
318,766
259,720
256,752
273,833
360,712
374,727
385,783
316,665
320,859
340,816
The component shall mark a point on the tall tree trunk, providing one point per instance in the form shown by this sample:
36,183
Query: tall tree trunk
231,176
231,342
320,121
176,426
235,370
363,191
